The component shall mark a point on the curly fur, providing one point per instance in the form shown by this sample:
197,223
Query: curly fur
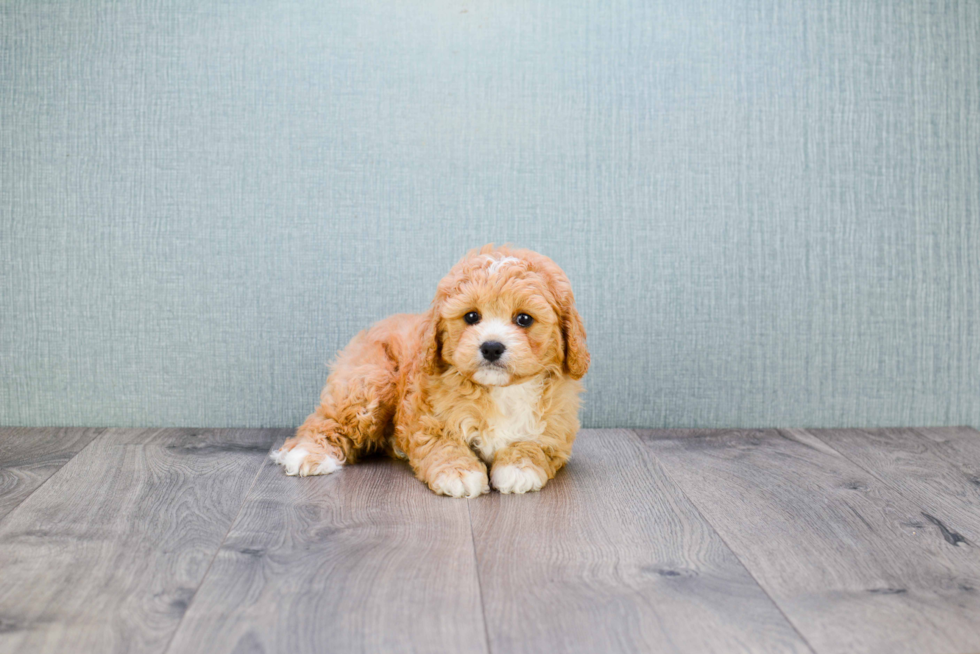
416,386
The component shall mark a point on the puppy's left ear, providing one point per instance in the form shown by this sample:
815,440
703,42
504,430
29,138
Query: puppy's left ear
576,354
572,328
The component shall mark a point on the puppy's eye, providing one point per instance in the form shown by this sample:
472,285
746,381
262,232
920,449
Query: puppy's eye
523,320
472,318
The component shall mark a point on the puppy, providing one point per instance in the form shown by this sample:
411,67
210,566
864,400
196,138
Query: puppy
487,377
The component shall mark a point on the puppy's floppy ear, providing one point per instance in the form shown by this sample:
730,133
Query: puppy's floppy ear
572,328
431,344
576,354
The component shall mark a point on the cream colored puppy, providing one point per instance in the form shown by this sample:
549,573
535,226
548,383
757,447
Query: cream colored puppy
487,377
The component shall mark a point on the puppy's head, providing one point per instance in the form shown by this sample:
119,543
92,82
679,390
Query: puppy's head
501,316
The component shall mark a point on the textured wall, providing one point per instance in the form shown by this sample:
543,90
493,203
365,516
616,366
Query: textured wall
770,211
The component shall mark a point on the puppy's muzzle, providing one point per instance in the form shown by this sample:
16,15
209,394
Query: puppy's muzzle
492,350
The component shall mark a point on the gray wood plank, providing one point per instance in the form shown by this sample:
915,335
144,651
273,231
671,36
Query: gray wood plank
364,560
938,469
611,557
958,445
854,565
30,455
106,555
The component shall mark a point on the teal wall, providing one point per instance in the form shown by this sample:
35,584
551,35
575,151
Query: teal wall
770,211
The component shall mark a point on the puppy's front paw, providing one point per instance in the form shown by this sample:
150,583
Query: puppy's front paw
512,478
300,461
461,483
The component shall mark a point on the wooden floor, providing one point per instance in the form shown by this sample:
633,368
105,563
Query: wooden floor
125,540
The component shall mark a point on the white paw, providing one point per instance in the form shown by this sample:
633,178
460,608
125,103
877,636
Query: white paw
298,461
517,479
467,484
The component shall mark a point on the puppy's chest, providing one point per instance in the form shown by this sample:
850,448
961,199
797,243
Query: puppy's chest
514,415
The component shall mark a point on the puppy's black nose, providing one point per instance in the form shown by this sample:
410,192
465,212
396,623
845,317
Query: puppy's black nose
492,350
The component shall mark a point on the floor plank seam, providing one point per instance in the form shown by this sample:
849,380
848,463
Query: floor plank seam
940,525
479,581
56,472
680,488
190,603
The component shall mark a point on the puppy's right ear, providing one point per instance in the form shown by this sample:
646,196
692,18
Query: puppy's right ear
432,342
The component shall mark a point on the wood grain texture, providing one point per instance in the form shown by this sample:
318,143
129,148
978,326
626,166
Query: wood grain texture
676,541
107,554
30,455
854,565
611,557
364,560
938,469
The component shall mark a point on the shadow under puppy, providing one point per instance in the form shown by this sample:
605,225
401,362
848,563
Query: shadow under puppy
489,375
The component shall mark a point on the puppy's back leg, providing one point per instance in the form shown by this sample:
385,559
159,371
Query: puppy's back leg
356,407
